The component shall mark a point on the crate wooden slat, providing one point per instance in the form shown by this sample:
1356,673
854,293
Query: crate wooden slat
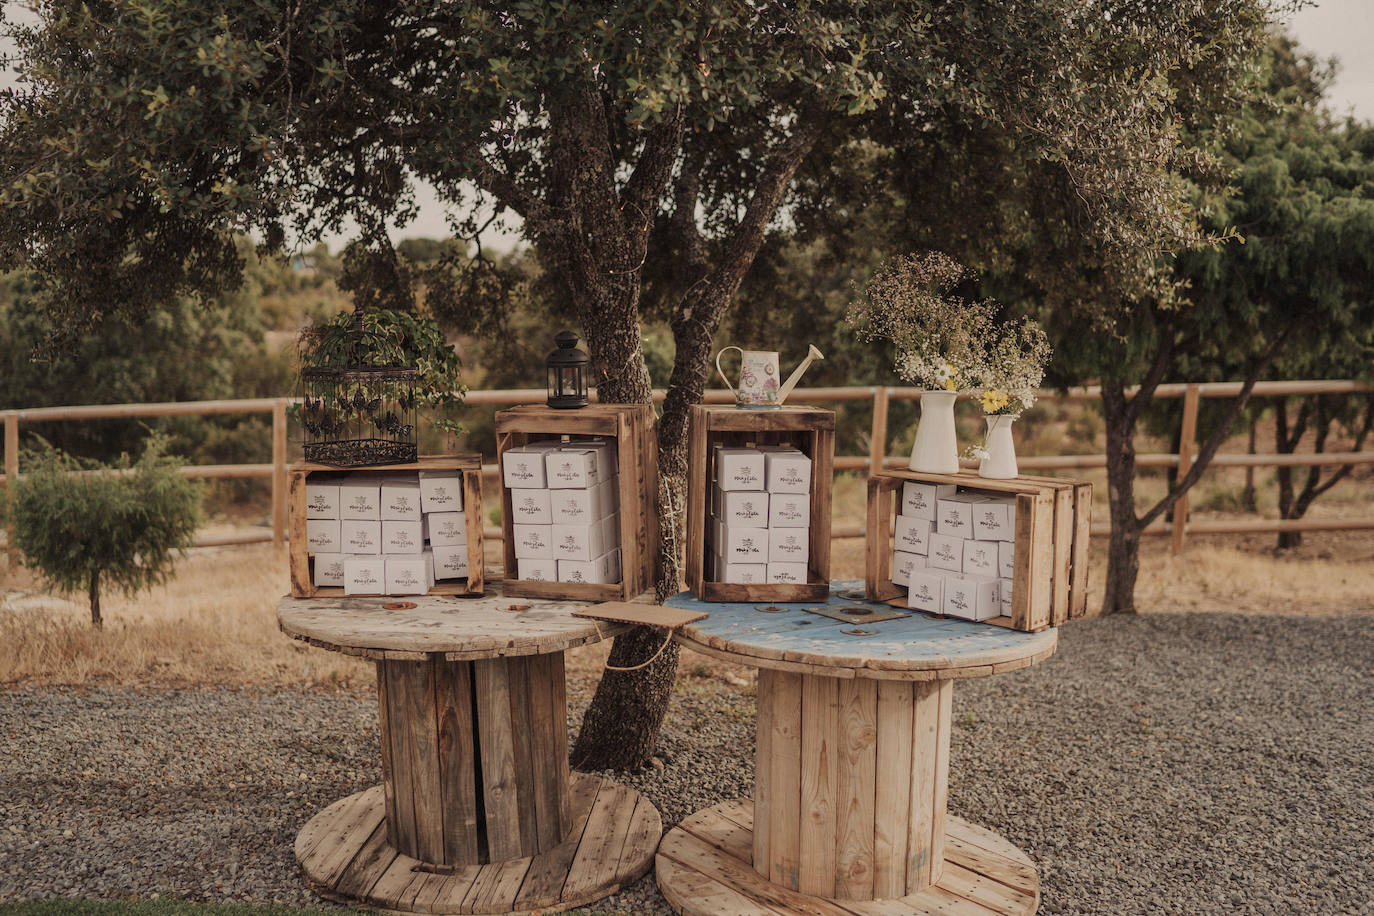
808,428
632,428
1053,523
302,580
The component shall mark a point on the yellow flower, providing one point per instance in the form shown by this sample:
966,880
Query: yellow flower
950,386
994,400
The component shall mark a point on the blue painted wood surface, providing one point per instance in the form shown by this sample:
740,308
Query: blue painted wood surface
918,641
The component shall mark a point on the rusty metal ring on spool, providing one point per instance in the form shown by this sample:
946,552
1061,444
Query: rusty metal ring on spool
400,606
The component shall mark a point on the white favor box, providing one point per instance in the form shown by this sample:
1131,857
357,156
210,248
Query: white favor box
787,472
364,575
903,564
919,499
360,537
739,469
581,507
400,499
572,468
954,515
788,573
602,570
980,559
912,535
329,570
741,573
531,507
946,553
608,496
578,542
788,545
1006,559
451,562
445,529
743,508
534,570
441,491
606,462
322,535
407,575
972,597
321,499
994,518
402,538
1004,594
926,591
740,544
360,498
524,466
789,510
534,542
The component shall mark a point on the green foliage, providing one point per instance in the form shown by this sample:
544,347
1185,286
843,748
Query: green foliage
115,525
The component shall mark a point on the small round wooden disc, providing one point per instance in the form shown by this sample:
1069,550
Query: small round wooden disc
345,856
705,867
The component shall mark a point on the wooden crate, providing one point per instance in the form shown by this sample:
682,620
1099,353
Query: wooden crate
302,572
1053,527
632,426
808,428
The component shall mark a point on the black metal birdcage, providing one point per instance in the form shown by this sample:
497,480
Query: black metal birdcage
356,414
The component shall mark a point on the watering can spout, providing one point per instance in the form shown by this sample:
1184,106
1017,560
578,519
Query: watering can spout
796,375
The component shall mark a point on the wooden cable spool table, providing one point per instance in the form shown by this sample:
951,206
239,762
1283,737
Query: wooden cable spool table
852,760
477,811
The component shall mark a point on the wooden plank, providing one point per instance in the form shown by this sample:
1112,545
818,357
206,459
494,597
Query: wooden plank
402,768
547,731
372,861
394,886
476,532
457,761
388,776
711,826
496,744
892,788
443,891
602,841
1063,554
642,837
543,884
518,676
688,890
784,781
922,867
1187,443
763,757
649,615
352,836
820,746
495,887
856,779
422,729
298,545
558,686
996,897
822,493
338,825
732,592
940,805
878,584
1082,540
994,867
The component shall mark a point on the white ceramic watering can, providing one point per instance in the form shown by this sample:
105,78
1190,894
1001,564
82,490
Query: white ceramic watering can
758,378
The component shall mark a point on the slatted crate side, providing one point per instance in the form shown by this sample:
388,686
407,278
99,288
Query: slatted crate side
632,428
302,567
809,429
882,501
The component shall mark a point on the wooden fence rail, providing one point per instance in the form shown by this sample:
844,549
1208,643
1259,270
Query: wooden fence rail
880,396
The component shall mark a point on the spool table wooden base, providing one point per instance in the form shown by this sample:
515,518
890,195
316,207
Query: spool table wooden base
850,780
477,811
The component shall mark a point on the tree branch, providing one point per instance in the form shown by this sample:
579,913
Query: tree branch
1163,361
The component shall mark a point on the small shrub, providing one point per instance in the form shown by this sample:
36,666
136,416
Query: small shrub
113,526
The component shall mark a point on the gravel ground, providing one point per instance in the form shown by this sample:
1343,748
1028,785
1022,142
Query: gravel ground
1162,764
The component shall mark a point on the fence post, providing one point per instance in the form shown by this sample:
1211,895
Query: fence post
11,477
877,448
279,473
1186,443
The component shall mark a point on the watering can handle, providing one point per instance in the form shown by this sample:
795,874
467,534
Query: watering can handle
721,371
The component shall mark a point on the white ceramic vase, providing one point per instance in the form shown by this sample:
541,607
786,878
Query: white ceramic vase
936,449
1000,463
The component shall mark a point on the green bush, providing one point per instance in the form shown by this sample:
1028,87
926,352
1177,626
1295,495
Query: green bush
82,524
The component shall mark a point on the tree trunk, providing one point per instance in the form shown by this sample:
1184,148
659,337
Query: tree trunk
95,601
1123,552
1285,444
1248,501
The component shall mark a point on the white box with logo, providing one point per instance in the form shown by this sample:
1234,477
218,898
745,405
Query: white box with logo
578,542
445,529
743,508
787,472
365,575
451,562
972,598
789,510
531,507
533,542
402,537
441,491
602,570
1006,559
788,545
322,535
739,469
903,564
787,573
360,498
321,499
980,559
912,535
954,515
926,590
329,570
407,575
742,544
919,499
1004,594
994,518
572,468
742,573
360,537
524,466
400,499
946,553
534,570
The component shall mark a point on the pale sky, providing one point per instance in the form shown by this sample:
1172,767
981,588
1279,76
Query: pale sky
1332,28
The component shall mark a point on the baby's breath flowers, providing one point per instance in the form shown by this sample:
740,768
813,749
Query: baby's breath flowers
1012,367
938,336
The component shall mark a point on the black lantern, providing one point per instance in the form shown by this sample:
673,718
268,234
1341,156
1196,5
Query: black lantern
567,373
358,414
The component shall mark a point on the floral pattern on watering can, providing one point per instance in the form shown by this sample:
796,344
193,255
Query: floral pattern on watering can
758,378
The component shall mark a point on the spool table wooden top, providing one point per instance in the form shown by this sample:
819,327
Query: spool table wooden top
461,629
801,638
